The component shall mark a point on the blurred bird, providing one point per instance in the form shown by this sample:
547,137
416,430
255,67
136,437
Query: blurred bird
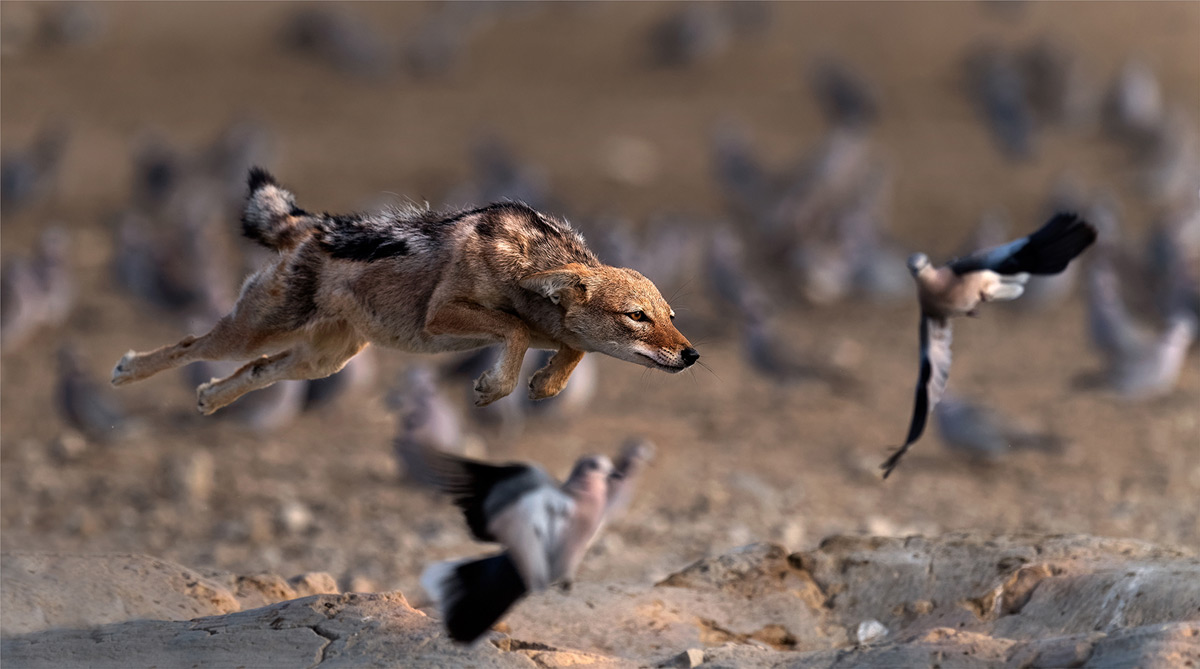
440,41
86,405
1134,104
958,288
178,263
635,457
1174,257
749,191
36,292
545,528
694,33
843,96
342,39
998,87
770,357
1168,159
1058,88
499,174
357,374
32,173
727,276
982,433
1141,364
425,421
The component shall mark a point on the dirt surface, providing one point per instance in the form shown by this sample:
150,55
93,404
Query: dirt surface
740,459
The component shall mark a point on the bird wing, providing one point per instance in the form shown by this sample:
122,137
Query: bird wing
482,490
1046,251
534,529
635,456
936,336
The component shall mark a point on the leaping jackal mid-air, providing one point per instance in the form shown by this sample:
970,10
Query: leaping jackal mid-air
422,281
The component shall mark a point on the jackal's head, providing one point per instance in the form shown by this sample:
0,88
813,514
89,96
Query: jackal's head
618,312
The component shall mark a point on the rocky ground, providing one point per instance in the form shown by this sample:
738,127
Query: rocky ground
741,460
954,601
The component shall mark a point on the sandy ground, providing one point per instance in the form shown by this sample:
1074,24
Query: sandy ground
740,459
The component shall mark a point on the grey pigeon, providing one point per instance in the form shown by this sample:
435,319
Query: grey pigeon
85,404
1058,87
38,291
982,433
426,421
843,96
959,287
1134,104
770,357
545,529
1141,364
694,33
748,188
357,374
341,39
30,174
499,174
999,89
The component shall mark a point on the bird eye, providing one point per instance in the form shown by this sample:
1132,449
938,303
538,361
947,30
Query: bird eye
636,315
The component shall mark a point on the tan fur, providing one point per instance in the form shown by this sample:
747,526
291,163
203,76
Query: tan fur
422,282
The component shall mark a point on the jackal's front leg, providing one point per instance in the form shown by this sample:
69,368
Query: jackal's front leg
466,319
551,379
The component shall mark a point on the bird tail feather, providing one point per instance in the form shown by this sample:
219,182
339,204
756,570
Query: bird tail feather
474,594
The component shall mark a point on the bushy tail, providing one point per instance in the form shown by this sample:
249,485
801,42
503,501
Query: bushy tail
271,217
473,595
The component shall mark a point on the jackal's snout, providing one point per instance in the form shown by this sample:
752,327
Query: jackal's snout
690,356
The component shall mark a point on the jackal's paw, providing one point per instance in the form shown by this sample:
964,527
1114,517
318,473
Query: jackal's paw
206,399
489,388
123,372
544,384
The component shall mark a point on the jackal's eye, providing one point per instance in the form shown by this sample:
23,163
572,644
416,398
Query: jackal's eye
636,315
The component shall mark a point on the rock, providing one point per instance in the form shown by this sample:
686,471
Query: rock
961,600
314,583
870,631
40,591
335,631
690,658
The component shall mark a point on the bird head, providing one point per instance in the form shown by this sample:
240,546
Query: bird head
917,262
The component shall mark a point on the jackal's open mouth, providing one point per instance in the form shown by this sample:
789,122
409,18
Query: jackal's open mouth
658,365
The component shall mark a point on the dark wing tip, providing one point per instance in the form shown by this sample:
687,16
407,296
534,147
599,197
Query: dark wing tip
890,464
260,178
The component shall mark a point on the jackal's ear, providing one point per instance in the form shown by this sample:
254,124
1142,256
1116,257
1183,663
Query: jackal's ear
568,283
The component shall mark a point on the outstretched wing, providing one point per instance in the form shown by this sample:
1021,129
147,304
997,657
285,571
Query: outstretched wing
1046,251
481,490
936,336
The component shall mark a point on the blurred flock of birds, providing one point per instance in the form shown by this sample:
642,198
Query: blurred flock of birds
815,233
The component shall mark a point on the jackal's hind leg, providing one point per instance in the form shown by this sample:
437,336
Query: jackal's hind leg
551,379
298,364
230,339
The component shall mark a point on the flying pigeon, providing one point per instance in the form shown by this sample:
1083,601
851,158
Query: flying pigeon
960,286
545,528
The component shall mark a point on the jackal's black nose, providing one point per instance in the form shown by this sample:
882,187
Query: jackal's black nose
690,356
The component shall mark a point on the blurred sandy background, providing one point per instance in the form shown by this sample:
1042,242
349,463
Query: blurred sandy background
570,88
